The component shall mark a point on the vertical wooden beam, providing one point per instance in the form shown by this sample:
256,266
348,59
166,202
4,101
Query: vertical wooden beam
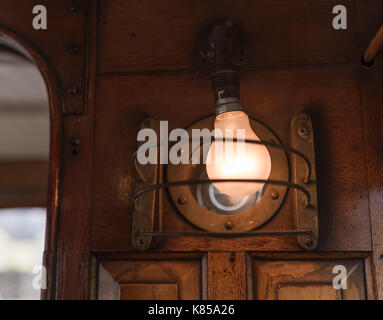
372,101
73,230
227,276
370,17
371,292
73,258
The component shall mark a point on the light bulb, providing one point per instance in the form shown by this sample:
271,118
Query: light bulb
230,159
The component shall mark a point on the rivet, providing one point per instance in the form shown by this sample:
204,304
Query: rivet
308,242
73,90
74,8
274,195
75,141
211,54
303,132
73,49
182,200
228,23
229,225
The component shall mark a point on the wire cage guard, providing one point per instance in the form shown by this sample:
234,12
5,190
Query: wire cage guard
146,203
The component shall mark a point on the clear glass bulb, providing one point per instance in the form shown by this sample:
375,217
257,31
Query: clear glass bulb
229,159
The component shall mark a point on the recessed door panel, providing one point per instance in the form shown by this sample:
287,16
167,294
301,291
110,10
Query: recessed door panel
307,280
150,279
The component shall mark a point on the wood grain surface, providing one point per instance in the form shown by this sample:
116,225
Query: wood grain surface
278,32
330,95
138,59
226,274
307,280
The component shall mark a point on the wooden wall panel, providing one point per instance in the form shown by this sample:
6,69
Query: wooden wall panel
372,103
306,280
66,28
149,291
330,95
227,276
308,291
162,35
146,54
74,223
150,279
301,64
372,99
72,246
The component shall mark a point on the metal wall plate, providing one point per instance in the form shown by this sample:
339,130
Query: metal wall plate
302,139
147,208
273,196
221,41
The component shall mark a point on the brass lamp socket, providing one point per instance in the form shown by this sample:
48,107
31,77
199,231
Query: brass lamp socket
220,43
226,90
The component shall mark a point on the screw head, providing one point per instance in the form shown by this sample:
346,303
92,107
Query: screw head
229,225
75,141
274,195
73,8
308,242
73,49
182,200
211,54
229,23
303,132
73,90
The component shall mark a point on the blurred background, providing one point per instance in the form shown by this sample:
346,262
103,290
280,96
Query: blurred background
24,152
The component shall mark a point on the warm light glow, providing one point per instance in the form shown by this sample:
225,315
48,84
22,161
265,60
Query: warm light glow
237,160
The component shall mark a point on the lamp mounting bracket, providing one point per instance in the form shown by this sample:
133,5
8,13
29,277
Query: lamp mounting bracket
147,214
148,200
220,43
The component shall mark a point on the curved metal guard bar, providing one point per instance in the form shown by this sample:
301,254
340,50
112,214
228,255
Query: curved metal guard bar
206,181
305,199
222,235
266,143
